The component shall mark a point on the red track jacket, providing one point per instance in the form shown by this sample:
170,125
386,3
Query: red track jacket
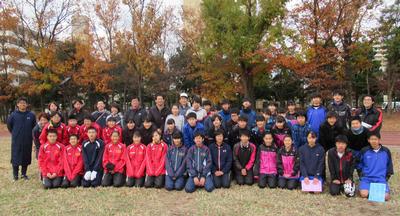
135,160
107,132
114,153
62,136
73,161
155,159
83,132
73,130
51,159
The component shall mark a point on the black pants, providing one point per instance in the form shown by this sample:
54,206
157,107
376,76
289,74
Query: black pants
287,183
24,169
222,181
76,182
269,180
247,179
335,189
52,183
116,180
137,182
154,181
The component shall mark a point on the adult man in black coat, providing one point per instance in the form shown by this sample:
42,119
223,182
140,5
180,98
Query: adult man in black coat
159,112
135,112
20,124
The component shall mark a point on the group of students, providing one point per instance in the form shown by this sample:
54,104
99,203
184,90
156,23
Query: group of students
190,147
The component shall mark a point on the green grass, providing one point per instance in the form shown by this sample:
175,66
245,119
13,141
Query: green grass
28,198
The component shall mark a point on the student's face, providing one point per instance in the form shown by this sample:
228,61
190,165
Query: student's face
341,147
338,98
43,121
183,101
100,105
52,138
246,104
115,138
135,103
53,107
316,101
332,120
56,119
272,108
111,124
147,124
207,108
301,120
287,142
87,122
291,108
78,106
234,117
198,141
268,140
72,122
130,125
311,140
137,139
192,121
244,139
159,101
225,107
367,102
260,124
114,110
73,140
177,142
156,138
279,124
22,105
195,105
355,124
219,139
374,142
242,124
171,127
175,110
217,122
92,134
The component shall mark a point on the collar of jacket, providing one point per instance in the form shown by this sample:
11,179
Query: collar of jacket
357,131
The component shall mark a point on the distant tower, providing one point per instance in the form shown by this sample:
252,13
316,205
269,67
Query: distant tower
80,27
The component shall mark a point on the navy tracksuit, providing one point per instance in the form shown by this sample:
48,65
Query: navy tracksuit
221,161
312,161
175,165
92,153
198,163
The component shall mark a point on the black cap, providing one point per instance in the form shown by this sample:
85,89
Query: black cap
342,138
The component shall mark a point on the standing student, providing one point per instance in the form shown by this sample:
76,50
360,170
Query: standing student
54,107
316,113
135,112
146,130
191,127
300,130
312,160
72,126
158,113
198,165
177,117
288,163
50,160
171,129
257,133
244,154
88,123
155,162
114,162
291,112
135,159
196,108
329,130
110,129
78,111
55,123
342,109
233,121
207,105
376,165
221,154
72,163
92,152
371,116
273,109
175,164
280,130
341,163
248,112
116,114
43,119
183,104
100,115
225,112
208,121
265,167
127,133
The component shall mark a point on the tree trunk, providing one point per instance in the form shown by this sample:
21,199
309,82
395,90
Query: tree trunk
248,85
390,97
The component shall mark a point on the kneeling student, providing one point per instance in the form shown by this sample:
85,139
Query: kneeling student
73,163
312,161
244,154
199,166
176,164
288,163
221,154
341,165
135,159
92,152
265,165
50,160
376,165
155,162
114,162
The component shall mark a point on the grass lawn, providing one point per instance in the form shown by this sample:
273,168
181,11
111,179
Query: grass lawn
28,198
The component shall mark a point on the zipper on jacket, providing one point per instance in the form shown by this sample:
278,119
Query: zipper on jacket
219,158
176,158
198,160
